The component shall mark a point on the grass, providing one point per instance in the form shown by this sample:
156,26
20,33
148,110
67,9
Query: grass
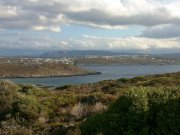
140,105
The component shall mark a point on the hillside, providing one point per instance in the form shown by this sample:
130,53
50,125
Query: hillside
90,57
141,105
128,60
38,67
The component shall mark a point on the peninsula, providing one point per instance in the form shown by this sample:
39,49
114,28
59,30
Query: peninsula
39,67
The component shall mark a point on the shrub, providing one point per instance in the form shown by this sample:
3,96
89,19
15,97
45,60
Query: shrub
63,87
27,107
33,90
8,92
11,127
80,110
108,98
6,85
124,80
98,107
75,131
89,99
138,79
140,111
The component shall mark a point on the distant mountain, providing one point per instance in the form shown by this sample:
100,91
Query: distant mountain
82,53
171,55
20,53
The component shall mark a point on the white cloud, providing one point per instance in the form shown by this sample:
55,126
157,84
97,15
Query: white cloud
52,28
64,43
160,18
7,11
128,43
114,14
32,42
55,28
86,42
33,0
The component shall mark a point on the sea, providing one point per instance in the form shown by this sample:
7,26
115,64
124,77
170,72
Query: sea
108,72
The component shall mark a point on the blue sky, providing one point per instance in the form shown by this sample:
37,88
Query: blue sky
37,26
77,31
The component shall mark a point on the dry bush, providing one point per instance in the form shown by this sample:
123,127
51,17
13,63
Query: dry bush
83,110
80,110
11,127
6,85
99,107
75,131
108,98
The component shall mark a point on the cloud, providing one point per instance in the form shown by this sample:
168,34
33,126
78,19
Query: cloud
10,11
86,42
52,28
160,20
30,42
128,43
115,14
164,31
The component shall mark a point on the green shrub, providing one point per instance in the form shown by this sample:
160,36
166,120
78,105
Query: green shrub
63,87
124,80
33,90
27,107
138,79
140,111
8,92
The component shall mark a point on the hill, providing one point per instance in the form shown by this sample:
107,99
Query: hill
171,55
141,105
111,57
39,67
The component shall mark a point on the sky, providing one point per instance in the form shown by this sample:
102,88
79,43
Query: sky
30,27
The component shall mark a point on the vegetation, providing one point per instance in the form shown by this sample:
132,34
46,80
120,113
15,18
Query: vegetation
141,111
18,67
141,105
127,60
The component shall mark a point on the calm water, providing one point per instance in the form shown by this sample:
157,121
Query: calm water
108,72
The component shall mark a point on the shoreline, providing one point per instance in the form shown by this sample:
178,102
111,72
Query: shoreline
52,76
167,64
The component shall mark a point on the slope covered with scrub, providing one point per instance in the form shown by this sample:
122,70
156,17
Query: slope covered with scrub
141,105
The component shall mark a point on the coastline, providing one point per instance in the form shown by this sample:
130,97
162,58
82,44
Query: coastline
52,76
119,64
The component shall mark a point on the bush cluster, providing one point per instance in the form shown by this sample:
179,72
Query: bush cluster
141,111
